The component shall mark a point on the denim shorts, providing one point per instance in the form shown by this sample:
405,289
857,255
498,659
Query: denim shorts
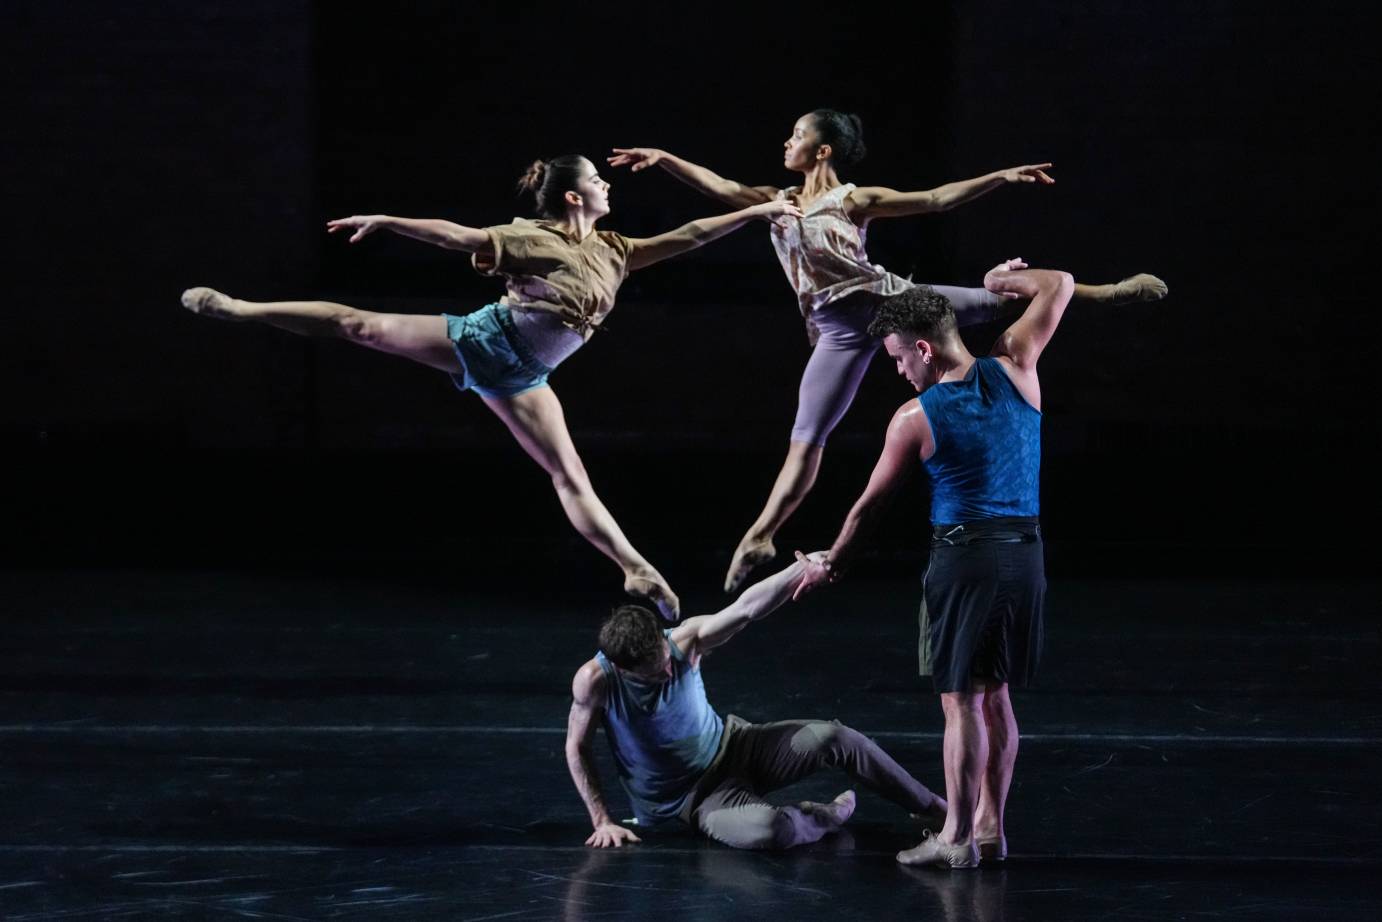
496,361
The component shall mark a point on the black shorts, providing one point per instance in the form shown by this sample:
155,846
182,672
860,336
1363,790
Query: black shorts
981,613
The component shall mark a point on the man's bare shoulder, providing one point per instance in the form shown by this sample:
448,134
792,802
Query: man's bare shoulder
588,686
909,421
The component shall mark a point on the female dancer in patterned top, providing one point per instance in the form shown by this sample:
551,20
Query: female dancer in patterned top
823,255
562,275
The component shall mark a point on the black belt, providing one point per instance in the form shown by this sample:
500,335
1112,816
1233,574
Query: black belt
987,531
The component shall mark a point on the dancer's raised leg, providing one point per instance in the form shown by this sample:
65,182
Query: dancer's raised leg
420,337
828,385
536,420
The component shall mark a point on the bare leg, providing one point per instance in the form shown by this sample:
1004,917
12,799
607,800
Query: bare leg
1001,725
536,420
965,754
420,337
793,482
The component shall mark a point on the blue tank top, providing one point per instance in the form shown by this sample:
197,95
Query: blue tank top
664,735
987,461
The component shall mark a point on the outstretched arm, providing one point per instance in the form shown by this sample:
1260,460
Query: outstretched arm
697,177
588,697
649,250
1049,291
907,440
880,202
706,632
428,230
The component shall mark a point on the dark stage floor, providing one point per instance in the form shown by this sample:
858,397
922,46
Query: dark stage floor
241,746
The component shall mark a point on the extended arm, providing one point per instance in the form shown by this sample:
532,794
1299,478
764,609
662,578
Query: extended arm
904,444
697,177
1050,292
706,632
588,698
649,250
880,202
429,230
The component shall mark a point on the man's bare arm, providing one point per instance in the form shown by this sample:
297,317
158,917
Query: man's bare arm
588,699
904,445
1050,292
706,632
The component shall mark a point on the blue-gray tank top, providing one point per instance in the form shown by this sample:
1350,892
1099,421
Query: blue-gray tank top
663,735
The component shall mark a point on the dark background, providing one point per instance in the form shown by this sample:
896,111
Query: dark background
150,147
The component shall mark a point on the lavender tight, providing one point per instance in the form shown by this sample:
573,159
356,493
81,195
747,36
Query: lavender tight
844,350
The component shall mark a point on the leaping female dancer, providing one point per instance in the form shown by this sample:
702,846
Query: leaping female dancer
562,275
822,252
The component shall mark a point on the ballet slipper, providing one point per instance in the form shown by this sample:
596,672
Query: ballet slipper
655,590
932,851
1137,288
836,813
209,303
992,848
746,558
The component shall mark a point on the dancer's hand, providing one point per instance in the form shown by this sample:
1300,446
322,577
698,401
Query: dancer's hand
816,572
778,208
363,225
1001,280
611,835
1032,172
639,158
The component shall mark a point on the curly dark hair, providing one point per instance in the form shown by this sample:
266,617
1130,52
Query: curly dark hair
921,311
631,636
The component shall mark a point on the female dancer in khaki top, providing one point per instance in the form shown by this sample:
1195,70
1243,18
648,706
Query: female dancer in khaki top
562,275
822,253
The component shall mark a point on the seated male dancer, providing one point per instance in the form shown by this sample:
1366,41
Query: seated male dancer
678,760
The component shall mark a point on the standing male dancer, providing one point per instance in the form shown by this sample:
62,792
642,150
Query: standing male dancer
678,760
976,428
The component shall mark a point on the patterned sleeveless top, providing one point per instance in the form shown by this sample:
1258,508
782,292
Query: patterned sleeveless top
987,462
823,254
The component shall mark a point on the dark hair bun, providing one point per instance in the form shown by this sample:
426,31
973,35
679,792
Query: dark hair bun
843,132
532,178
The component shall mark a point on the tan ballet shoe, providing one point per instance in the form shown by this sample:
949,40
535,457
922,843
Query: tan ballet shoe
209,303
656,591
993,849
1139,288
932,851
746,558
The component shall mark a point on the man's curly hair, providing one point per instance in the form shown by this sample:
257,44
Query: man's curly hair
631,636
921,312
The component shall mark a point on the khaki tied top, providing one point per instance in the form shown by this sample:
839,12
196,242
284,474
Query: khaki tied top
547,269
